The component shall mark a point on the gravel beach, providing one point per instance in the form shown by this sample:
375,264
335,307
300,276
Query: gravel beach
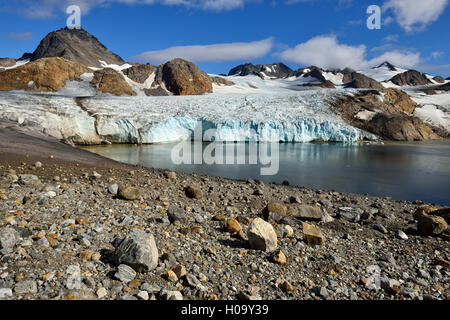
75,226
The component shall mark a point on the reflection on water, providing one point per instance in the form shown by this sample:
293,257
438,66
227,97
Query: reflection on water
403,171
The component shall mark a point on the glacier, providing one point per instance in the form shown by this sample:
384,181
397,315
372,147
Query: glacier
301,116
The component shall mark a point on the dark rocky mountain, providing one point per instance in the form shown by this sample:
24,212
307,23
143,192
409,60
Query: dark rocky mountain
411,78
388,65
75,45
276,70
439,79
360,81
448,78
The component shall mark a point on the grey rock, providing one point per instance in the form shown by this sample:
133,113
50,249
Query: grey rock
350,214
175,213
379,228
25,287
113,189
194,282
125,273
8,238
5,293
170,295
401,235
138,250
28,179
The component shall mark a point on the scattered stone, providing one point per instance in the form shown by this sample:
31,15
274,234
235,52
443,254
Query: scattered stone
306,212
28,179
25,287
379,228
125,273
401,235
279,257
113,189
170,175
180,271
8,238
38,164
175,214
138,250
128,193
350,214
143,295
171,276
431,225
262,236
5,293
170,295
312,235
287,287
193,193
101,293
274,211
233,226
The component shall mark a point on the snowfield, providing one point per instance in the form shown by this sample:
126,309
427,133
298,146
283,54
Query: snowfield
435,109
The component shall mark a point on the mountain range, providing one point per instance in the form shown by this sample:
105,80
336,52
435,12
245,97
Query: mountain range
381,100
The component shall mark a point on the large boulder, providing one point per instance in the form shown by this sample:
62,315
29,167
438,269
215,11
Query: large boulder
262,236
183,78
47,75
140,72
75,45
110,81
138,250
410,78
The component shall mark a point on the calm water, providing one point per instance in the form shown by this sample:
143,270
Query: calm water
403,171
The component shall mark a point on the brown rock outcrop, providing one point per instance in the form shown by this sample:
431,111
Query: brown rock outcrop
47,75
112,82
386,113
183,78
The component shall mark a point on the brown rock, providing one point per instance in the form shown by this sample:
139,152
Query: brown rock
312,235
274,211
287,287
110,81
411,78
140,72
46,75
184,78
193,193
431,225
233,226
129,193
279,257
305,212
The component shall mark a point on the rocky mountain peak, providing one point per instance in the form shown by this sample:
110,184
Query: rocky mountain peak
388,65
76,45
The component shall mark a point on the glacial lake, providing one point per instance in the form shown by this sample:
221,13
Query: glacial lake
403,171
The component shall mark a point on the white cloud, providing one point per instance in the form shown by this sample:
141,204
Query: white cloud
209,53
325,51
42,9
413,15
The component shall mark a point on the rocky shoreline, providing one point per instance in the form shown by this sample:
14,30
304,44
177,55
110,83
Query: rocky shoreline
68,232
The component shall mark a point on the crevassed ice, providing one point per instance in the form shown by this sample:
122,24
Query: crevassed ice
288,117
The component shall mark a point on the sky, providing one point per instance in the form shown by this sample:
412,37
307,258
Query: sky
220,34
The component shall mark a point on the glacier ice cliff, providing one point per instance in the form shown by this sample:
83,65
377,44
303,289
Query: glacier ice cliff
302,116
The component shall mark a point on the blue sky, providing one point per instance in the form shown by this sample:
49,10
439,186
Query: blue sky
220,34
